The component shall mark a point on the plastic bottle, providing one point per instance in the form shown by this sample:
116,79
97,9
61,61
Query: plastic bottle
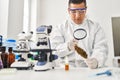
66,64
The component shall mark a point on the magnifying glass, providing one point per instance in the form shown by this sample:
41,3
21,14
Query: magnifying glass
80,34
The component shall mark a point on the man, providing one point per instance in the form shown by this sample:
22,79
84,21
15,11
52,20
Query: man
94,44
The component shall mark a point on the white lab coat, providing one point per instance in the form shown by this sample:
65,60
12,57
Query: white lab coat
95,44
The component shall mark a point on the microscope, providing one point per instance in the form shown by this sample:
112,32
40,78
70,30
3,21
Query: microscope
22,49
43,48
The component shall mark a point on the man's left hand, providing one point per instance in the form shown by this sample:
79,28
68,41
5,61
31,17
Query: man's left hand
92,63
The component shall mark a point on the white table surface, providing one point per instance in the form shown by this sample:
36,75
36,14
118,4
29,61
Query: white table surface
60,74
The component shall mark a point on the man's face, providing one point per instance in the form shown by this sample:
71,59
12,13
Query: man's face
77,12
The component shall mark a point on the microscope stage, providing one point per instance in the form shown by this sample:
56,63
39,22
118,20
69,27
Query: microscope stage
21,65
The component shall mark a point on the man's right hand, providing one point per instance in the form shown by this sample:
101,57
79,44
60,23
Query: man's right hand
71,44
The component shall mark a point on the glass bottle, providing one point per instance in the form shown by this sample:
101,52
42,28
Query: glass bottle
4,56
1,64
66,64
11,56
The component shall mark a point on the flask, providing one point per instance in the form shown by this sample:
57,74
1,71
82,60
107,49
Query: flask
66,64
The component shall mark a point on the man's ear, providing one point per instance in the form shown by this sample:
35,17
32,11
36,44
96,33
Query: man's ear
86,7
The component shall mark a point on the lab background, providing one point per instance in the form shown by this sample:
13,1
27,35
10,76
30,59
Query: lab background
26,15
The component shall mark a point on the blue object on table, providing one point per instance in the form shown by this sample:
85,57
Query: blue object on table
108,73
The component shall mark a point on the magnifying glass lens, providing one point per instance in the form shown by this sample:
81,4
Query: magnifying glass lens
80,34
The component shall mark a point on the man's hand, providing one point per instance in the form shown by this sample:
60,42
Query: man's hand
92,63
71,44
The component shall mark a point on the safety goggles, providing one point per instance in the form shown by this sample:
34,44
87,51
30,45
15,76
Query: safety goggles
77,10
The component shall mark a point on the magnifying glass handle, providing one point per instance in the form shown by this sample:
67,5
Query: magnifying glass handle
81,52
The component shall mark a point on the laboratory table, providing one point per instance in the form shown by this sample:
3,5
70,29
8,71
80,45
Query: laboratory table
60,74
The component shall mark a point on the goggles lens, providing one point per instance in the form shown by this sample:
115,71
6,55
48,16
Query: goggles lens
77,10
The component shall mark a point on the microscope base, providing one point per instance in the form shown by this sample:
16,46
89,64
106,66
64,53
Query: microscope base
42,67
21,65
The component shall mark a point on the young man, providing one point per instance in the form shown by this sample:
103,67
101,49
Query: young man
94,44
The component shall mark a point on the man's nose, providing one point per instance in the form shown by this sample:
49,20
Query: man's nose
78,15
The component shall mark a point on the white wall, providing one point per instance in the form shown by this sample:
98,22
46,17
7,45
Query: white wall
52,11
15,18
55,12
3,17
11,18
